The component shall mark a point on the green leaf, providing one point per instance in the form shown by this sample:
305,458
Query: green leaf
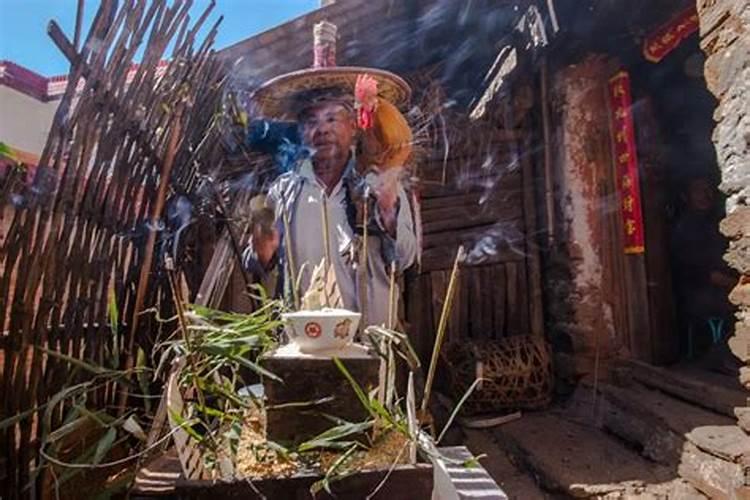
355,386
210,412
331,438
302,404
104,445
112,312
186,425
396,422
234,433
7,151
281,450
255,367
101,417
142,377
66,429
132,426
332,474
458,408
96,369
473,462
58,397
7,422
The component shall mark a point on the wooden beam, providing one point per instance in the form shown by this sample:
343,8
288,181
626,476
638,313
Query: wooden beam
534,274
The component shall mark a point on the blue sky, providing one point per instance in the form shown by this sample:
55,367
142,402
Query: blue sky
23,25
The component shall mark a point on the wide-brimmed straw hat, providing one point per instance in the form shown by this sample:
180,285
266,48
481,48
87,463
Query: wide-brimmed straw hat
282,96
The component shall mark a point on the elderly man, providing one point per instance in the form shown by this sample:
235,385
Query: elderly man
333,180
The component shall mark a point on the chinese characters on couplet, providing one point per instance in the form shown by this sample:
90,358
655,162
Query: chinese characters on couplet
668,37
626,159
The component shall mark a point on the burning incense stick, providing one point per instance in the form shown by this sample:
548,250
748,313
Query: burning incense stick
363,263
447,303
392,298
290,258
326,243
390,393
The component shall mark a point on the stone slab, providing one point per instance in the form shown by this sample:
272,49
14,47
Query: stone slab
575,459
652,420
714,477
312,378
727,442
712,391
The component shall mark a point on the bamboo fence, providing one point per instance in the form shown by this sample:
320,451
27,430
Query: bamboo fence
125,141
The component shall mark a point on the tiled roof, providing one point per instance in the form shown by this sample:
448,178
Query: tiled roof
24,80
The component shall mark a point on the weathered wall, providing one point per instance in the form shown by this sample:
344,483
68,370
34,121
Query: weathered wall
725,37
580,312
25,120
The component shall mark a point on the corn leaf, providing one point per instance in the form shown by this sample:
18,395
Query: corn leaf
355,386
255,367
104,445
458,408
331,438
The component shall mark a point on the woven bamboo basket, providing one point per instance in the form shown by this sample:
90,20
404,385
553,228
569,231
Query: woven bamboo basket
516,374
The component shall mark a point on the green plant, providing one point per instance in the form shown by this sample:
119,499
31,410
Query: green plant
216,347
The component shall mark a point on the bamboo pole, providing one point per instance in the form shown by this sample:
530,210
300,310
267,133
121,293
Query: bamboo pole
548,184
148,257
447,304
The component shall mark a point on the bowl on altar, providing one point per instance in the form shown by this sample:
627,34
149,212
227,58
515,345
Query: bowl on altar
324,330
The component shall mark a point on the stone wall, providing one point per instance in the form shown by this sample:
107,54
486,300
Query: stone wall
717,459
725,37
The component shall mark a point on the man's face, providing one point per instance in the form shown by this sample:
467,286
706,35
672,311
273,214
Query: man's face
329,129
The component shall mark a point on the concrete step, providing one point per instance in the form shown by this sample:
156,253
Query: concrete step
654,422
580,460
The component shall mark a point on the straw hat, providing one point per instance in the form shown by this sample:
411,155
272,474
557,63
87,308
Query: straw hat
282,96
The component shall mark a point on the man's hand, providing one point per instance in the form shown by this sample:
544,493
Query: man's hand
265,237
385,188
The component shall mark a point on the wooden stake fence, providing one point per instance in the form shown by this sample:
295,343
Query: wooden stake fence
82,226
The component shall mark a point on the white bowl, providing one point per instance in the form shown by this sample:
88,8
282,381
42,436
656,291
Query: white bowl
327,329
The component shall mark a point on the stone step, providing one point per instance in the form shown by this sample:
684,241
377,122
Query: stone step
713,391
516,483
577,459
653,421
